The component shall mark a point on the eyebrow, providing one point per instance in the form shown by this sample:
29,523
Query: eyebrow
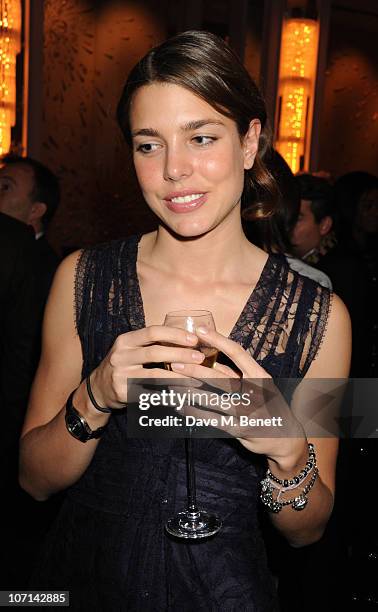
187,127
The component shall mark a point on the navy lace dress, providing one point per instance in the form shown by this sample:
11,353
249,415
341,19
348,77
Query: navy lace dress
108,546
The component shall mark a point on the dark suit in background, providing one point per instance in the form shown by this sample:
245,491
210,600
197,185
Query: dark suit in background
47,262
19,326
27,267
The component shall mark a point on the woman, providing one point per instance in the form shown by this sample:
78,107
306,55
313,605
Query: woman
196,123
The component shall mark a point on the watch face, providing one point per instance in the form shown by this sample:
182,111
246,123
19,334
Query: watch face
75,426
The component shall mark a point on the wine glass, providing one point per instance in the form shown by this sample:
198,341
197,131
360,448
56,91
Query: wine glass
193,522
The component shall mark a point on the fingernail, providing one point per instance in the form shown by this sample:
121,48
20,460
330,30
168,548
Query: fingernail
197,356
192,338
177,366
202,330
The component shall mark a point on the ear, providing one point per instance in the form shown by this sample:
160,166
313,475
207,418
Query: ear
251,143
325,225
37,211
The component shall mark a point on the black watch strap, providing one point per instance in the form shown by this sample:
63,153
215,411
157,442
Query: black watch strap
77,426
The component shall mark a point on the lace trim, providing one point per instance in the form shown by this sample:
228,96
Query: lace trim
324,317
79,286
319,319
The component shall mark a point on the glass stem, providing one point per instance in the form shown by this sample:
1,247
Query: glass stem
191,475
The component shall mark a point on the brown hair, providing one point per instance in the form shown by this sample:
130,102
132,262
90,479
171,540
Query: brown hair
205,65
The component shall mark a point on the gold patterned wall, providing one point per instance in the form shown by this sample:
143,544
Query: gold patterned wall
88,52
349,121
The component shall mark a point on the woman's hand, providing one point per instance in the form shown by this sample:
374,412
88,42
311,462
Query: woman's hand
285,445
248,367
129,354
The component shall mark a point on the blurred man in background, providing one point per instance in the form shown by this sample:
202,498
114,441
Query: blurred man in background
314,240
315,223
30,192
29,197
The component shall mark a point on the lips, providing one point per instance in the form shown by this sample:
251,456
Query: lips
185,201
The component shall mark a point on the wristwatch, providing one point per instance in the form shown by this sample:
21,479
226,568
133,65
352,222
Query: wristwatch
78,426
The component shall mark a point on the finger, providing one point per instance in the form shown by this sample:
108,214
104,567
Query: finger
156,373
220,367
178,384
243,360
157,334
197,371
151,380
161,354
210,376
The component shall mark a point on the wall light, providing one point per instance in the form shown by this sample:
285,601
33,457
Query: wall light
10,46
296,83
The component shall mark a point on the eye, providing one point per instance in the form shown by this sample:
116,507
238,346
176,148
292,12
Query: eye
204,140
147,147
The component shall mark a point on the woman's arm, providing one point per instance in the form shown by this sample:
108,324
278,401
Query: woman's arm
332,362
51,459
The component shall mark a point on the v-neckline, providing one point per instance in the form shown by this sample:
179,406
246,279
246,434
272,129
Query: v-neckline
234,334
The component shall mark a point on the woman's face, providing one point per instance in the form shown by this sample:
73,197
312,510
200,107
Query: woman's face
189,158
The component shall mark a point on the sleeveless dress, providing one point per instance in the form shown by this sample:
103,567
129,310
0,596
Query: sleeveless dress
108,546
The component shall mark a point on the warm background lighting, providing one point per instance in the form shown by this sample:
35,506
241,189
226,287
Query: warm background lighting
297,72
10,45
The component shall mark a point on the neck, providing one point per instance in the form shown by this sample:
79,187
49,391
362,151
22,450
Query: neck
215,255
37,226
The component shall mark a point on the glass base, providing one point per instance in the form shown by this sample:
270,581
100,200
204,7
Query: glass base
193,525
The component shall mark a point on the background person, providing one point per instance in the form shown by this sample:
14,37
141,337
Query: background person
29,197
19,328
315,240
30,192
274,233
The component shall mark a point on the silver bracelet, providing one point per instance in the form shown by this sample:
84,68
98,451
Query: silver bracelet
297,480
299,502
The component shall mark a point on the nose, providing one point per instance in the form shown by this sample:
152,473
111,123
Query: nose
178,164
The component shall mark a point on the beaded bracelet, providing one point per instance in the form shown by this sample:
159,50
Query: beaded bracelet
297,503
296,480
270,482
288,488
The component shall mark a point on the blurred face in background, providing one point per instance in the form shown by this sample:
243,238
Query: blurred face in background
16,186
307,233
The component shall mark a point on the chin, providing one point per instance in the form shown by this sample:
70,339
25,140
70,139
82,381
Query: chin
192,230
188,228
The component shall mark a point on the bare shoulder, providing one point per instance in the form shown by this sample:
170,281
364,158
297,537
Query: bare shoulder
339,318
333,358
